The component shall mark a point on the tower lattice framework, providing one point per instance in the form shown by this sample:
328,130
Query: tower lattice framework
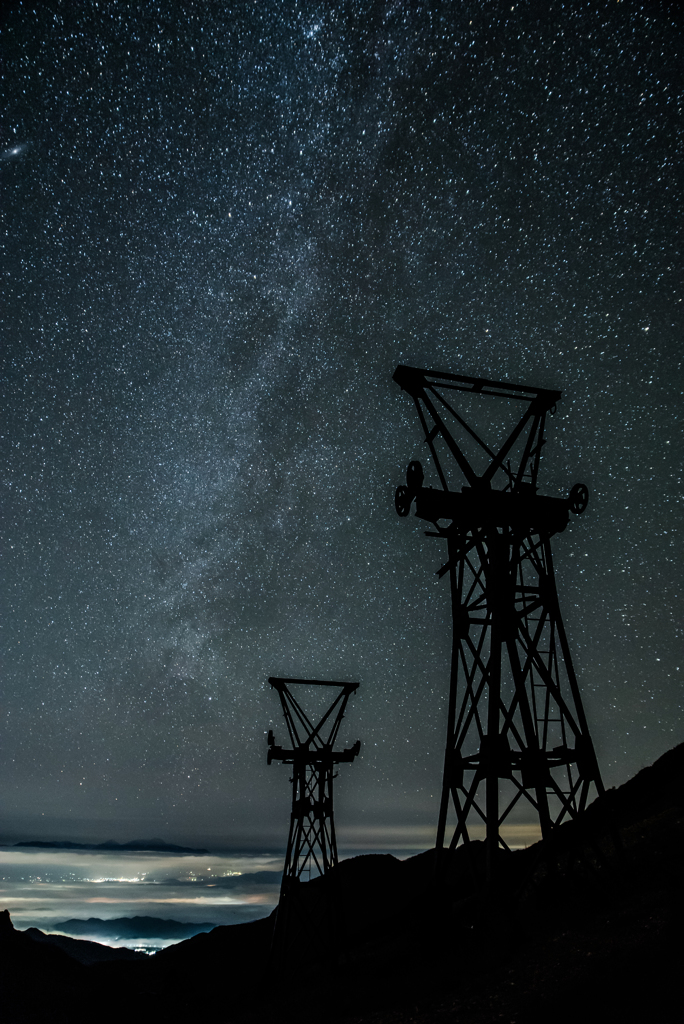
311,844
516,727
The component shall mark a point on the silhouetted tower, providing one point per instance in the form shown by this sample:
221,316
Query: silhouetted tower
516,726
311,845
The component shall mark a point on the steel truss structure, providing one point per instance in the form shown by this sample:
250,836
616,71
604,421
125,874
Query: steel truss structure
311,844
516,727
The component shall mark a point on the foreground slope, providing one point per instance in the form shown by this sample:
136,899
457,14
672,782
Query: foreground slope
591,931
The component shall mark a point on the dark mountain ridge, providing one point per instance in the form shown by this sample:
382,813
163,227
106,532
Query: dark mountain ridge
132,928
588,928
86,953
135,846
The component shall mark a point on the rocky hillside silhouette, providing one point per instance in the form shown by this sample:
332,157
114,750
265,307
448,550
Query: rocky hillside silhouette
587,929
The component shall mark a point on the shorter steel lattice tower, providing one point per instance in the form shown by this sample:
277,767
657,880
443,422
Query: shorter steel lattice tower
311,844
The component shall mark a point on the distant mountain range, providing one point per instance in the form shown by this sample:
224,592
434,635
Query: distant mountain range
135,846
131,928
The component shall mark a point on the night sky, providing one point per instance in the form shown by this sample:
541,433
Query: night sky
224,226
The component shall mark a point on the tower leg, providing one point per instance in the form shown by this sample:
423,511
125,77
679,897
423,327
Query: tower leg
498,585
447,779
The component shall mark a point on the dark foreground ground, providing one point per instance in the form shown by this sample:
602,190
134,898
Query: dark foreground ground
593,933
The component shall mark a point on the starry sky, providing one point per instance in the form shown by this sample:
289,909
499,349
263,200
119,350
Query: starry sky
224,226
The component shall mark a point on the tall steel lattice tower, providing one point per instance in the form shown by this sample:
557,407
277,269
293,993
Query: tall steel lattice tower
311,843
516,726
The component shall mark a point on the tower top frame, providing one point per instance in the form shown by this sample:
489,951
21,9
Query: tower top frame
440,419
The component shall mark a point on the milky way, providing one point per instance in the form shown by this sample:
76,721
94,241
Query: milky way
224,227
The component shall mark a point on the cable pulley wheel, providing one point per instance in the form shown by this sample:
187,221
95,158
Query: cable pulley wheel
578,499
414,477
402,501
